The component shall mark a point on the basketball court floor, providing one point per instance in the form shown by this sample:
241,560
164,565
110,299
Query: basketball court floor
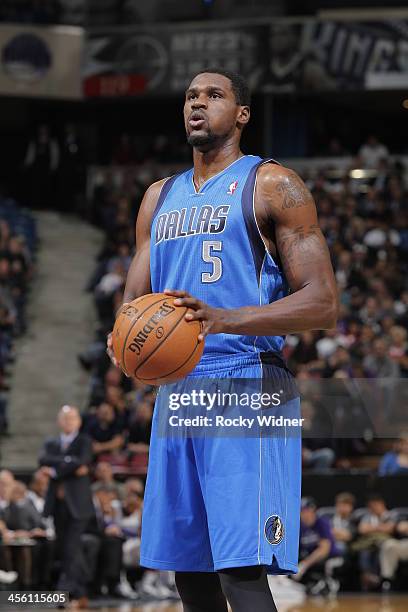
344,603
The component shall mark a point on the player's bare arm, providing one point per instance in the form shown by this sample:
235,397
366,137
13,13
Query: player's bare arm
286,214
138,278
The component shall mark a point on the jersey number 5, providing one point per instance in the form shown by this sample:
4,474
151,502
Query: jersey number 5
208,247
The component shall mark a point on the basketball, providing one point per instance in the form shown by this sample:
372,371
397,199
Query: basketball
153,342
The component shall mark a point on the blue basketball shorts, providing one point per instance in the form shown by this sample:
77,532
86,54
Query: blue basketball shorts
224,498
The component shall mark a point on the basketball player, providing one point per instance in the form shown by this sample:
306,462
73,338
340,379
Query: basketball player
236,239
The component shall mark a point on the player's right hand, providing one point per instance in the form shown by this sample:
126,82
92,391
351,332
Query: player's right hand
109,342
109,350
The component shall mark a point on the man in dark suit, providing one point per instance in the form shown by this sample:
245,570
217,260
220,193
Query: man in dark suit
66,459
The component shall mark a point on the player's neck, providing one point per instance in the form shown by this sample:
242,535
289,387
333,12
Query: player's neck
209,163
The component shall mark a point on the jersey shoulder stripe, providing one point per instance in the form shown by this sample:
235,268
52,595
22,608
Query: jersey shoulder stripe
248,209
164,192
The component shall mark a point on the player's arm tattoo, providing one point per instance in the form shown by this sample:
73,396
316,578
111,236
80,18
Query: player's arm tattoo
292,192
301,247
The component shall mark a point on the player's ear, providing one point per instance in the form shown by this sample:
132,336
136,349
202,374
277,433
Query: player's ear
244,115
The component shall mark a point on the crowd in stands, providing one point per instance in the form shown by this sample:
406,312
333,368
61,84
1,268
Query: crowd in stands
18,240
348,547
365,220
111,542
367,234
341,546
120,409
130,149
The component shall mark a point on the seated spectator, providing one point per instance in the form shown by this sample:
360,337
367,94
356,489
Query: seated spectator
106,528
317,544
134,486
6,577
305,349
104,430
130,526
21,516
7,482
20,267
378,363
114,396
396,461
316,451
398,350
113,377
375,527
45,545
316,458
150,395
344,531
6,296
336,149
111,281
106,294
38,490
104,479
372,151
159,585
343,527
140,428
24,524
124,258
17,244
392,552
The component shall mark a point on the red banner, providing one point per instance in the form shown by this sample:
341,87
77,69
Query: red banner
114,85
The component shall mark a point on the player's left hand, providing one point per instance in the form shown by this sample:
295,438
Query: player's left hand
210,317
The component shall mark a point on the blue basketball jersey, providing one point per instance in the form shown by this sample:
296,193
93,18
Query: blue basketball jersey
208,243
217,500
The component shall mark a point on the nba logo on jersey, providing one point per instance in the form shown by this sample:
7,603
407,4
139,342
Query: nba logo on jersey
232,188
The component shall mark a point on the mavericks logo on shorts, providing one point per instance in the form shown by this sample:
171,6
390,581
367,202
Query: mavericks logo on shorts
274,530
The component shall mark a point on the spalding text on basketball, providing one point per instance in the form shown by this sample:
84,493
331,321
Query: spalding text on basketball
139,340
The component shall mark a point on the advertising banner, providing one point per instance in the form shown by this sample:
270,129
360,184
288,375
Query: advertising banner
283,56
41,61
329,55
162,60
